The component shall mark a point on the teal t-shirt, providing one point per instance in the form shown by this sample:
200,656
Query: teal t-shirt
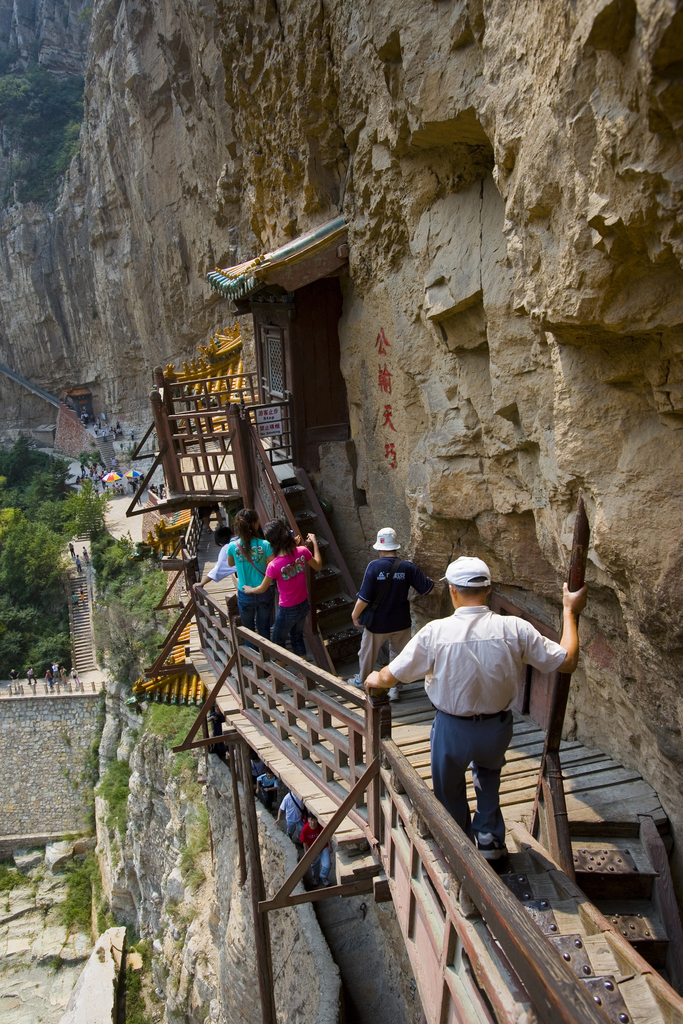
246,573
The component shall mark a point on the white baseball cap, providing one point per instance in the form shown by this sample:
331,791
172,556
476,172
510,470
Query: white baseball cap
386,540
468,572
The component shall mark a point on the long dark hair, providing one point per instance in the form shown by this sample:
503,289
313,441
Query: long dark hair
246,525
279,537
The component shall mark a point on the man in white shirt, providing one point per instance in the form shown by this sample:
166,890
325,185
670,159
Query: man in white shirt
472,662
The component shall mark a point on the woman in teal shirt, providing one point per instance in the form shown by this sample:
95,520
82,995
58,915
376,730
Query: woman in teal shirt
250,555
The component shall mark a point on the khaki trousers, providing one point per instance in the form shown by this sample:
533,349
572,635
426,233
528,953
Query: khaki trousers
371,643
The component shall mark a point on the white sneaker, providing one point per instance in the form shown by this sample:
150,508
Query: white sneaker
394,694
354,681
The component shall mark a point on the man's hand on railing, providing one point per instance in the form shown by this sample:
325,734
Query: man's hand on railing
377,682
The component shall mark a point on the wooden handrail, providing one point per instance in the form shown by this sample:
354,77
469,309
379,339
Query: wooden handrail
557,994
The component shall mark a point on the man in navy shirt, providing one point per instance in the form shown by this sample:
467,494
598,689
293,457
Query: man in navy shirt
391,620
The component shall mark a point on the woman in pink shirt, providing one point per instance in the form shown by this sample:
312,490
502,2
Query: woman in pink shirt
288,569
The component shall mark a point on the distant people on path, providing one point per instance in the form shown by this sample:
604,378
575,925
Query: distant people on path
86,556
77,682
48,680
473,663
75,599
63,675
72,550
320,868
267,788
294,814
31,677
288,569
383,597
250,553
78,564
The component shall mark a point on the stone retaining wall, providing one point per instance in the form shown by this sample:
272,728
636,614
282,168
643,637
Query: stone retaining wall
45,746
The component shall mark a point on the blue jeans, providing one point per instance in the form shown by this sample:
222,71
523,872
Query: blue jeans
321,866
290,623
255,611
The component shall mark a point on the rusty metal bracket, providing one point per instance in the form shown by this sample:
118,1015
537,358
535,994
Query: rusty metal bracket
542,914
606,995
573,952
618,862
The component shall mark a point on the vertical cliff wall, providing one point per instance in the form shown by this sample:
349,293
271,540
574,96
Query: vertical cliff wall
512,181
109,282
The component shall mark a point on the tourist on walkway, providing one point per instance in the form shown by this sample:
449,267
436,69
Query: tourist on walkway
257,768
31,677
320,868
77,683
267,788
72,550
474,659
288,569
294,813
222,568
383,597
250,554
86,556
63,675
48,680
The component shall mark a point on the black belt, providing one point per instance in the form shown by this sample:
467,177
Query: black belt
480,718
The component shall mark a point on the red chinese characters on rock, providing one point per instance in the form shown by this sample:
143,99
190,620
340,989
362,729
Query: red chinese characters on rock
382,344
384,380
387,418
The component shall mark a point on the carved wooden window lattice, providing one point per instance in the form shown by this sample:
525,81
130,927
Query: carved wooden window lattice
273,349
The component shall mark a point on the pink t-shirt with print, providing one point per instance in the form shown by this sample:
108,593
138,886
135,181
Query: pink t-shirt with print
289,571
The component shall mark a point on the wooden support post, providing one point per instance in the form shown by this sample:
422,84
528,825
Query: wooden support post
232,762
550,760
377,728
168,458
240,452
264,966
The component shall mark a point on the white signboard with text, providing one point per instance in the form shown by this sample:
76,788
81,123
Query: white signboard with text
269,420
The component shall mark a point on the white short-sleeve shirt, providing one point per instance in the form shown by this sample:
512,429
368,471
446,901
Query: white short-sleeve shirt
472,660
221,569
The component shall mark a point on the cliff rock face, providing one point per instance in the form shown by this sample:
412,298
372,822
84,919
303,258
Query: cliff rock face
111,282
512,181
193,908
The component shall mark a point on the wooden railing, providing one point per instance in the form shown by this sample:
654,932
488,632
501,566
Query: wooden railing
314,719
212,394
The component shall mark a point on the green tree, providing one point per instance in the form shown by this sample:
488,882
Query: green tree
85,512
32,560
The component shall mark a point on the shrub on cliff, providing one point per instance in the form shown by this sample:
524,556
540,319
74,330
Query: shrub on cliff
40,116
128,629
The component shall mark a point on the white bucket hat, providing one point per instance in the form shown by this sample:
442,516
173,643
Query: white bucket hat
468,572
386,540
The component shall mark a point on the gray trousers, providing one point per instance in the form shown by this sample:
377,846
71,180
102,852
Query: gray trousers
370,647
458,744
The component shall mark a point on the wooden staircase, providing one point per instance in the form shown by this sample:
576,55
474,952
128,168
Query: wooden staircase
332,587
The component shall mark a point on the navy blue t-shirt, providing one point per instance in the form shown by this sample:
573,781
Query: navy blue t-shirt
393,613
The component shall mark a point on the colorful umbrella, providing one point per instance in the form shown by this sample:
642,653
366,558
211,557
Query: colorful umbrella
133,474
110,478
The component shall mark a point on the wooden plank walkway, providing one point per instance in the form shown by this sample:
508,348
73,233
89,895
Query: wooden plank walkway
598,788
